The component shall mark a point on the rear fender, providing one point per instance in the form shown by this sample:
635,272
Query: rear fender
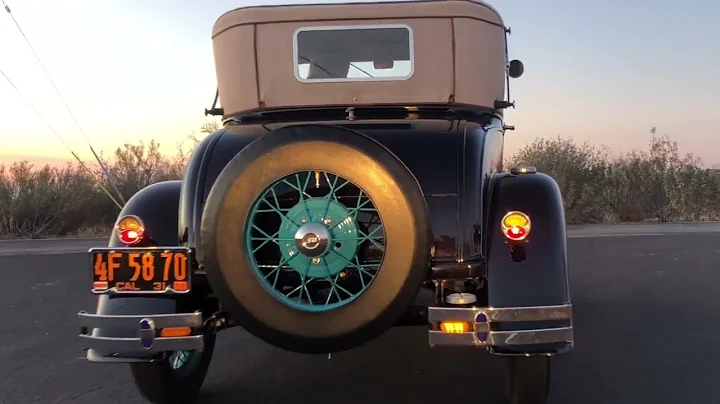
157,205
541,279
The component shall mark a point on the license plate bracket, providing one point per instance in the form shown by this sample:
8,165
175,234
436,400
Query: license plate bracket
141,270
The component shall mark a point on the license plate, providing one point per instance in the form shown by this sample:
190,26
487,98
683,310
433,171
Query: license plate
140,270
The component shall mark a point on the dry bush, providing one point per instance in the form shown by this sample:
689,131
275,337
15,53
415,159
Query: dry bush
578,170
659,184
73,200
42,202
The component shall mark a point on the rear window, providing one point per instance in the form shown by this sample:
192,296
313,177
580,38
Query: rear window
353,53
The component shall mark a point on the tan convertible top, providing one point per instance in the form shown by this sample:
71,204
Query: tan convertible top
422,52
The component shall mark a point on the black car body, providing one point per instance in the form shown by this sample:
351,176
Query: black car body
485,245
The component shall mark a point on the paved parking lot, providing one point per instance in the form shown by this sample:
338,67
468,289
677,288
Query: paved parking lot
647,331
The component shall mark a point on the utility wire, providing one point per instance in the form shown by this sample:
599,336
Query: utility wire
35,109
57,91
59,137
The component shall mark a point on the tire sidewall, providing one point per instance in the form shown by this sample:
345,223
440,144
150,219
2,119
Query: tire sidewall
161,384
528,379
365,163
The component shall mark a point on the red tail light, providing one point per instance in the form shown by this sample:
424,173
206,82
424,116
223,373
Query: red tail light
130,230
515,226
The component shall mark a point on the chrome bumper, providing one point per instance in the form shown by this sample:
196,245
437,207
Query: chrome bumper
146,330
481,320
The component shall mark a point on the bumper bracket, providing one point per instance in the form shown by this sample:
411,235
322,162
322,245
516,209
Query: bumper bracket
140,335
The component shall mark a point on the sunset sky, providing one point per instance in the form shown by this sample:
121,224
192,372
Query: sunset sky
603,71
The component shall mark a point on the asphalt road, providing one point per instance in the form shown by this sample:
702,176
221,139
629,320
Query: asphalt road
647,331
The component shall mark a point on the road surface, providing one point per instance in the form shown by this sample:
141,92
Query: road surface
647,331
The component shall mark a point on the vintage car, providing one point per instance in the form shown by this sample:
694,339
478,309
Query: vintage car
360,165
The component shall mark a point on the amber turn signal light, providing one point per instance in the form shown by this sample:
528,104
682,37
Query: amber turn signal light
454,327
130,230
515,226
175,332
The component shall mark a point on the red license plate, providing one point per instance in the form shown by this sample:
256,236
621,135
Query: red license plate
141,270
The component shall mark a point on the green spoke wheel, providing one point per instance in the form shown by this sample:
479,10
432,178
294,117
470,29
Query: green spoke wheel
315,240
179,359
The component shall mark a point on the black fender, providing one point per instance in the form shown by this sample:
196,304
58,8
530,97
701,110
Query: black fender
157,205
192,194
541,279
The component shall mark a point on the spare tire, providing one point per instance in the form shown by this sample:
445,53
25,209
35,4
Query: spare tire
315,238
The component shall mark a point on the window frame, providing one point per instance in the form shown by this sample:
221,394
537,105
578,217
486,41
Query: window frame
296,64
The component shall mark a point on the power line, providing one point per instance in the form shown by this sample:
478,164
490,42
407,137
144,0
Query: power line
55,132
67,107
7,8
35,109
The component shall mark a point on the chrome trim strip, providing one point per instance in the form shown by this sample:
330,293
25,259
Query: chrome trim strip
530,337
501,314
88,320
542,313
127,345
97,357
504,338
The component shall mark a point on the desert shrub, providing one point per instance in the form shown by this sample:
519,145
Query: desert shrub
80,199
43,202
658,184
579,170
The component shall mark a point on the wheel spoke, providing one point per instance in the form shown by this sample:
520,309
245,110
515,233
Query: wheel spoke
360,195
277,209
262,231
333,285
372,239
298,187
274,238
367,237
315,282
353,213
179,359
276,270
331,193
304,284
302,192
361,270
339,187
